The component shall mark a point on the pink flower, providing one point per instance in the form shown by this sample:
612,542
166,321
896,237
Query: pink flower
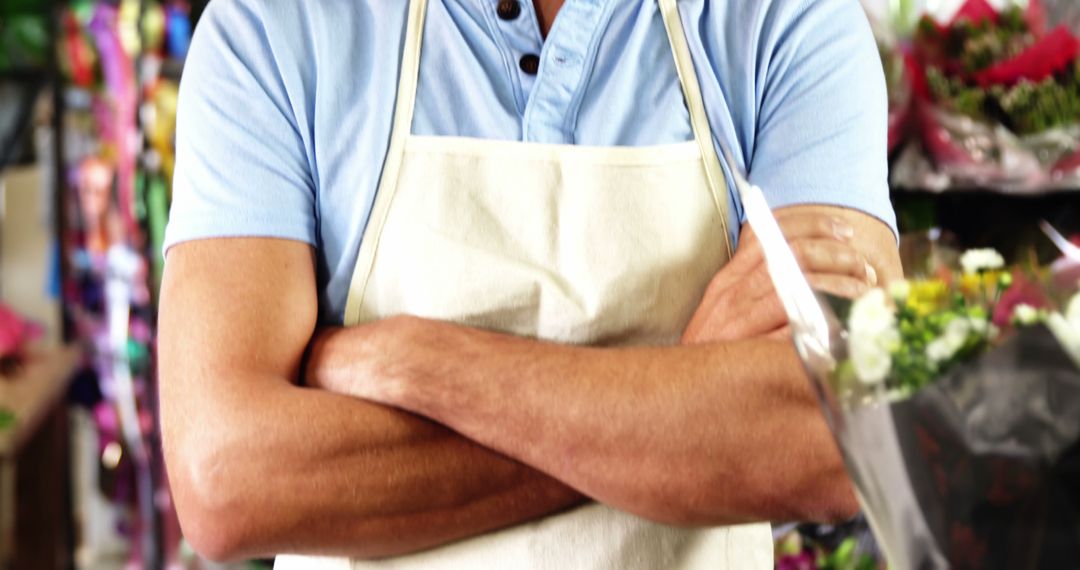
1022,292
802,561
14,332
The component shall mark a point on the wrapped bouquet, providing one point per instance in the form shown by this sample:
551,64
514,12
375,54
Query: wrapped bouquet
999,97
955,401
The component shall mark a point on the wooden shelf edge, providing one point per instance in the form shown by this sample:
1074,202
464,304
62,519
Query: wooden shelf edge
30,395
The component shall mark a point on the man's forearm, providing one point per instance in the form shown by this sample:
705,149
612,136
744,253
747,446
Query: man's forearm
307,471
259,466
686,435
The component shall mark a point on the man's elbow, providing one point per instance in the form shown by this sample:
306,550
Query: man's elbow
211,540
832,501
212,513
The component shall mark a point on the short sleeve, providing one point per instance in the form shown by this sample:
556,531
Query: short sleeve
242,168
823,109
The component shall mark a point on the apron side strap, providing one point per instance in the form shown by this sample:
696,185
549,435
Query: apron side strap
400,131
695,104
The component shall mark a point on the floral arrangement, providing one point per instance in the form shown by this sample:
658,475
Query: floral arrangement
997,98
1001,67
955,400
904,338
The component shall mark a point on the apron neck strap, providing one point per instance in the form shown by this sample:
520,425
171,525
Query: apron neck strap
410,69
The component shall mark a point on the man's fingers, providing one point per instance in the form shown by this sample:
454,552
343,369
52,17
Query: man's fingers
816,258
833,257
839,285
796,227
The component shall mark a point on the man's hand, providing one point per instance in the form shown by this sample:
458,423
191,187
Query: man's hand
366,361
840,251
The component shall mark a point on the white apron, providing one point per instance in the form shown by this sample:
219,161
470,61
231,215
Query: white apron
584,245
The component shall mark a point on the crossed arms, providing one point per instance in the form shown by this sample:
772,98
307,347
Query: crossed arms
413,434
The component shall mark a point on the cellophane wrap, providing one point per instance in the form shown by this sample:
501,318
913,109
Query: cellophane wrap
972,153
979,469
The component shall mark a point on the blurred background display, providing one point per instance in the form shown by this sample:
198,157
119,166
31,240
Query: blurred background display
88,93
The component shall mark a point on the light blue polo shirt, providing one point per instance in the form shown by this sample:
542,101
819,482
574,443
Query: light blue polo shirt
286,105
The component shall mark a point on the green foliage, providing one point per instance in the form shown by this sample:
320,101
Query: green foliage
1025,108
942,325
954,95
7,419
845,557
912,367
1036,107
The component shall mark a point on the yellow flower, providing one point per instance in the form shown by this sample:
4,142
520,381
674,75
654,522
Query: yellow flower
927,296
982,283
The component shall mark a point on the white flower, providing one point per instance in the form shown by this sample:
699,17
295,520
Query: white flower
938,351
979,325
900,290
976,260
1025,315
1072,311
872,358
871,314
1067,333
950,342
873,337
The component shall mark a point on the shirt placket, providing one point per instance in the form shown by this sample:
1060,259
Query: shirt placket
552,74
567,60
519,31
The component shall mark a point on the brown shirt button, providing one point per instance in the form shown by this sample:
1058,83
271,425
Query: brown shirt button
530,63
508,9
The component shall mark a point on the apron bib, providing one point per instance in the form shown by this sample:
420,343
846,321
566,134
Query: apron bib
572,244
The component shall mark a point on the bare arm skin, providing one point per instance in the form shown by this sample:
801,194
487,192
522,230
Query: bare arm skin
260,466
708,434
696,435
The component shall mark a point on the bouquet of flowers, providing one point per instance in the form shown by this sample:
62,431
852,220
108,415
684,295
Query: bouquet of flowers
955,401
999,97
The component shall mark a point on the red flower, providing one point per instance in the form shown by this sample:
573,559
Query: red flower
975,11
1047,56
804,560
